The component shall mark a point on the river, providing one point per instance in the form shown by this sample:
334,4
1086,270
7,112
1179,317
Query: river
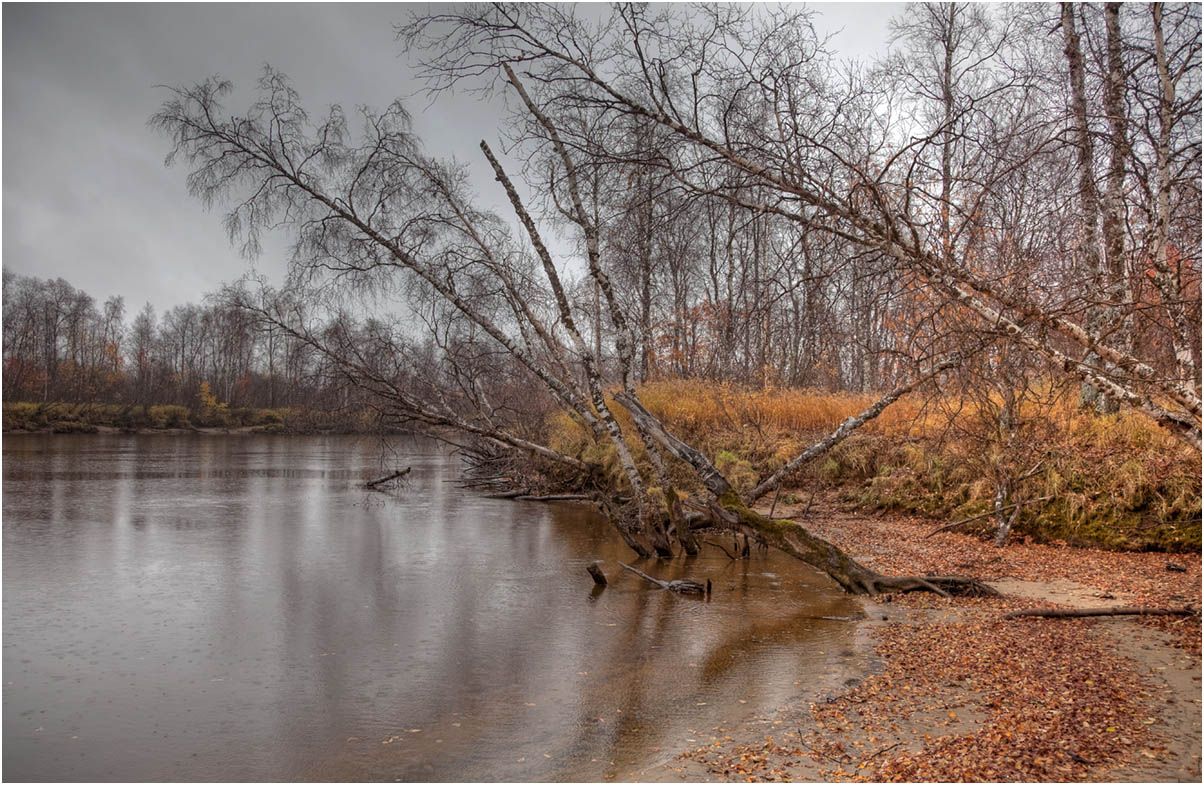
236,607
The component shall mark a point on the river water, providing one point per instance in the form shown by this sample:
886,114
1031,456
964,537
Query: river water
237,608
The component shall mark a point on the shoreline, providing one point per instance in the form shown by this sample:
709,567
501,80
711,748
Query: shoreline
947,690
234,430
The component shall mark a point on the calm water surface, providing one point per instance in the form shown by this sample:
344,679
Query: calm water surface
236,608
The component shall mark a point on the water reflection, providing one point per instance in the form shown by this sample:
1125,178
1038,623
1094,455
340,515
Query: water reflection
200,608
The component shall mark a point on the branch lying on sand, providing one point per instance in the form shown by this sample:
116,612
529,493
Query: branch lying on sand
1069,613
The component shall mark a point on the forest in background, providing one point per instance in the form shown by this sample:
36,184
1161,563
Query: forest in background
1111,480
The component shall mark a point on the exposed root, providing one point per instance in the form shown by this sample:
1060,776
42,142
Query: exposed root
944,585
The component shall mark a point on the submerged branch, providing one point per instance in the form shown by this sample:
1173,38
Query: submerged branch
382,480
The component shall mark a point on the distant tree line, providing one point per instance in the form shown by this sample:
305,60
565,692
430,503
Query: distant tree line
61,345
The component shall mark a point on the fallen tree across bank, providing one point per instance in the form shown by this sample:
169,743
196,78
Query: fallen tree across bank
729,511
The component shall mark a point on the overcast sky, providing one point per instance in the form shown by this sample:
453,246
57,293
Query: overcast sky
86,194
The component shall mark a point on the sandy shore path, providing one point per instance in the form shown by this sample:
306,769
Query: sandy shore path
949,690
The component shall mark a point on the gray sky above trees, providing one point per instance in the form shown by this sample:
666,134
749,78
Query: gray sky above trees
86,195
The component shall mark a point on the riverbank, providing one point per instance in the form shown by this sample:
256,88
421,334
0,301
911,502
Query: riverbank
1117,481
948,690
69,418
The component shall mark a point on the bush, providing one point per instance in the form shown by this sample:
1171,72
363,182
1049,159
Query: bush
168,417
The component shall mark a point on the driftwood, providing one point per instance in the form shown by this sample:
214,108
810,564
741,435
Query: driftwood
596,573
506,495
681,587
556,497
387,478
986,514
1069,613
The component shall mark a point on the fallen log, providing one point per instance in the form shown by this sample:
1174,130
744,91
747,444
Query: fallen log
506,495
387,478
1070,613
681,587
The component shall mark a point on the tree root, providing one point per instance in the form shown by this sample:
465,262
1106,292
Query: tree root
944,585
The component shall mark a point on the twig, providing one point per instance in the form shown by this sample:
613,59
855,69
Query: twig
879,752
1031,472
720,547
987,514
807,509
383,480
841,761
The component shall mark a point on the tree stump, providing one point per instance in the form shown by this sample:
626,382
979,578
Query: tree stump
596,573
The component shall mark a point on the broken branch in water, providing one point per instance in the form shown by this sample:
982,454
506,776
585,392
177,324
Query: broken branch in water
556,497
681,587
393,476
720,547
596,573
507,495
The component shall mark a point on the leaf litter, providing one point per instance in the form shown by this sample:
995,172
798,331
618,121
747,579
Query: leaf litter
964,695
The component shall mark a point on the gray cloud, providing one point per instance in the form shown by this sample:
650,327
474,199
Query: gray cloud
86,195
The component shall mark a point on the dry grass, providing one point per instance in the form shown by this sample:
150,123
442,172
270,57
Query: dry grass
699,405
1117,480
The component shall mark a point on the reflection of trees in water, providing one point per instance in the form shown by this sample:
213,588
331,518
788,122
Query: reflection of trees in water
656,682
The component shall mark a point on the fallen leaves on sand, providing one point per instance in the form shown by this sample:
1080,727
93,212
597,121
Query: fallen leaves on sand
967,696
977,700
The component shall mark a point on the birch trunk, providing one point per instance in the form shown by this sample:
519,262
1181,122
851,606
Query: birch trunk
728,510
1168,281
841,433
1090,258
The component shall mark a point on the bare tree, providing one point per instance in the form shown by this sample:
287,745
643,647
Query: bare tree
747,89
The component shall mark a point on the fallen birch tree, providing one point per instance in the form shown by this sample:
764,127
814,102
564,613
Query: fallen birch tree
368,212
508,340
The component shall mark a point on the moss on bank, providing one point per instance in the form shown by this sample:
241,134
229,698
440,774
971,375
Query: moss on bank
1121,497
